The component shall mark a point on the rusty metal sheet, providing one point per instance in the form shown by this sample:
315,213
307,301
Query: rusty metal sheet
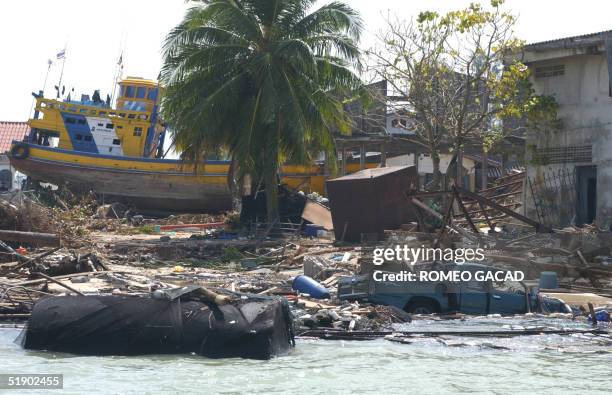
371,201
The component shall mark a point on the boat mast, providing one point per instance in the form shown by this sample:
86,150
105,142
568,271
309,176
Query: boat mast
61,55
49,63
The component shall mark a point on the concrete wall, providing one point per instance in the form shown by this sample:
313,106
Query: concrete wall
425,165
5,165
586,112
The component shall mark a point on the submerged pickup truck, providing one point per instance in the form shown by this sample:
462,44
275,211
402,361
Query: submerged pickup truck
468,297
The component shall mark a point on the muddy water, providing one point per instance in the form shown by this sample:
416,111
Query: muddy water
530,364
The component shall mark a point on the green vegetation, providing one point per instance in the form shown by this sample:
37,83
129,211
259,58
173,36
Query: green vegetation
261,82
459,75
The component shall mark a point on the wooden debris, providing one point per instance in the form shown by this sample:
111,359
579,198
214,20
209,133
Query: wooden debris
31,238
61,284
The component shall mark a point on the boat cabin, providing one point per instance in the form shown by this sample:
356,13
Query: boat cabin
89,125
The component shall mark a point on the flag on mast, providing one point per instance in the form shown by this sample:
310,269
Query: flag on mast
120,64
61,54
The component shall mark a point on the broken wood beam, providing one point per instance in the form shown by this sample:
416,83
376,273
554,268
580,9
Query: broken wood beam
32,238
61,284
465,212
64,276
486,216
482,191
484,211
432,212
488,202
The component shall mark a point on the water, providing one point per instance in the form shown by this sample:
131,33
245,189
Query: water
529,364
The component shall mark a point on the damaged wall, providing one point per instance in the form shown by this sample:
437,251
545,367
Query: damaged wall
579,81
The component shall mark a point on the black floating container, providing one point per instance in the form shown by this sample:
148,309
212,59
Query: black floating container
255,327
371,201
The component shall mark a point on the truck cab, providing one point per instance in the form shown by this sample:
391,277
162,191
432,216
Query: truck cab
442,297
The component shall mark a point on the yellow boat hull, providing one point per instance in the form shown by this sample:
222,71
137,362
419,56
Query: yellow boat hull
150,184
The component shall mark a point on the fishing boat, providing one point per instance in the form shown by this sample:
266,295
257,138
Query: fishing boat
118,153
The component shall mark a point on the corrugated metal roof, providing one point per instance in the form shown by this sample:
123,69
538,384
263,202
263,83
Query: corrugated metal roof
10,131
573,40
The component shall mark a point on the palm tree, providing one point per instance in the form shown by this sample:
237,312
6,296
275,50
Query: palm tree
260,79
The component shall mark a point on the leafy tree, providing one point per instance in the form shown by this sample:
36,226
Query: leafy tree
260,80
453,72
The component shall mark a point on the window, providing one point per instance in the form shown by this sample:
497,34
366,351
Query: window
116,142
137,131
87,138
140,93
110,149
100,124
131,116
129,91
152,94
78,137
70,120
109,125
550,71
102,113
83,110
119,127
81,122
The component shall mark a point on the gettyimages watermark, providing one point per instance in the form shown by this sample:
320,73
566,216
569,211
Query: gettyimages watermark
413,255
403,254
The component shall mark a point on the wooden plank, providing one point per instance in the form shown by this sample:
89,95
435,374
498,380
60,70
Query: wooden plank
488,202
61,284
32,238
457,229
463,209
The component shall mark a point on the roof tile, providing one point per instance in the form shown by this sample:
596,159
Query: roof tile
10,131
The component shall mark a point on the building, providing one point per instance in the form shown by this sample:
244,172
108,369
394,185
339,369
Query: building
472,168
9,131
569,168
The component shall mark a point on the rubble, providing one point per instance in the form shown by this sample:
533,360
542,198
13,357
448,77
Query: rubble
108,250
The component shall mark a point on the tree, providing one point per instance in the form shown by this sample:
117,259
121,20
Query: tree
453,73
260,80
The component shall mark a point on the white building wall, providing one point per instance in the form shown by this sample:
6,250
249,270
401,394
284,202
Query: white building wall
585,108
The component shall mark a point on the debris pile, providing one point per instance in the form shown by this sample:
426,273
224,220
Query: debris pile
111,250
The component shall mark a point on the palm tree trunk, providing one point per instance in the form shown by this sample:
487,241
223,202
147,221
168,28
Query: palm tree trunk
271,184
270,177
